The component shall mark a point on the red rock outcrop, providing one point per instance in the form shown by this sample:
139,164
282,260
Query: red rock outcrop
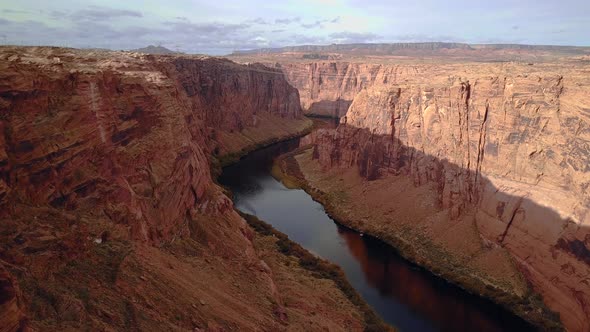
144,124
510,141
328,88
110,218
12,311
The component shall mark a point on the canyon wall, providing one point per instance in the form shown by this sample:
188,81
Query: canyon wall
503,145
146,126
109,215
328,88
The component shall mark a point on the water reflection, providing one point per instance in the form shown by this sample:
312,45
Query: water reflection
405,296
434,298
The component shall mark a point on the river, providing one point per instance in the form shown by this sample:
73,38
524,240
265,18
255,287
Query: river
404,295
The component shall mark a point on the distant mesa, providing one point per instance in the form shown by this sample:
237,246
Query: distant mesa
414,49
367,47
151,49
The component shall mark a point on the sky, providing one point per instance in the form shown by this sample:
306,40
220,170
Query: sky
222,26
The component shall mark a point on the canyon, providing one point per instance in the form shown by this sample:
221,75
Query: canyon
472,161
475,169
110,216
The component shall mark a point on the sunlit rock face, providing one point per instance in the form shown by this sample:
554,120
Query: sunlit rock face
130,133
507,143
105,162
328,88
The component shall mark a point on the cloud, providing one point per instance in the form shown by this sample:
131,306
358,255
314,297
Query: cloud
348,37
316,24
215,37
215,28
243,27
177,33
287,20
95,13
103,13
299,39
260,41
13,11
258,20
426,38
320,23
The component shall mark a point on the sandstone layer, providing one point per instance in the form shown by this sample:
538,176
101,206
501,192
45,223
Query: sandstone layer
327,89
486,162
110,218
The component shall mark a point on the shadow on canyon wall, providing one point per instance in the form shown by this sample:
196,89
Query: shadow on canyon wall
393,277
551,251
405,295
332,108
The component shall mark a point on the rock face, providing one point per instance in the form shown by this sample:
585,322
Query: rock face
506,144
151,49
109,215
328,88
12,311
145,124
231,102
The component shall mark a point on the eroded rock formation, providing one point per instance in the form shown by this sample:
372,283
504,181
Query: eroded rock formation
110,218
328,88
145,124
12,307
506,145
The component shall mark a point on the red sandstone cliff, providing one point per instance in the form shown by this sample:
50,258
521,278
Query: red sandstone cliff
328,88
144,124
110,218
12,307
504,146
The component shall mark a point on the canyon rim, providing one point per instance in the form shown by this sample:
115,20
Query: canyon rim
476,168
327,165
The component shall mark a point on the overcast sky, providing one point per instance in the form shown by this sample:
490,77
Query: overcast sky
221,26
